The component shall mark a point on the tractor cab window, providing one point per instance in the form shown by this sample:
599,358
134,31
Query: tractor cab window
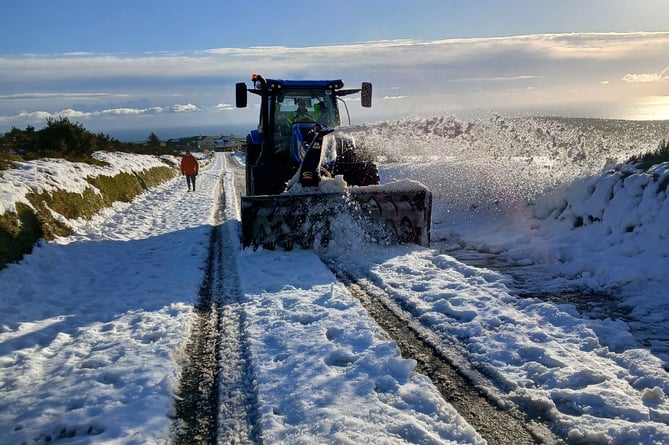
306,107
301,107
325,111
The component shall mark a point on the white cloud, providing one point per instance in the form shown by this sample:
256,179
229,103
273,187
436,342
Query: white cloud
642,78
35,115
461,72
124,111
393,53
647,78
70,113
184,108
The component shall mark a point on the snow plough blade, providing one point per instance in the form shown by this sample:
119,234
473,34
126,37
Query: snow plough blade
388,214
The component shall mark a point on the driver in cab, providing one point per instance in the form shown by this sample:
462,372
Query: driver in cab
302,114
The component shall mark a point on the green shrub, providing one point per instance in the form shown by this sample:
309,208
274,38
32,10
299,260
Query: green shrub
156,176
69,204
122,187
125,186
62,138
657,156
51,227
19,231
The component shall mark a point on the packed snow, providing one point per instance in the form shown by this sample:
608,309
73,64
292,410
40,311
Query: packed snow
93,326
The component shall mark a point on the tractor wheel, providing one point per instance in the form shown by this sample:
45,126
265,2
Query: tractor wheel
359,173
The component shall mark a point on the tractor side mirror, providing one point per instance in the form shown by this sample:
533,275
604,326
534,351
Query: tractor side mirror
240,95
366,94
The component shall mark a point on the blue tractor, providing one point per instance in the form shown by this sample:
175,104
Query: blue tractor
303,173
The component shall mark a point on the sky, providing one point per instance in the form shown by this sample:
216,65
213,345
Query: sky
160,64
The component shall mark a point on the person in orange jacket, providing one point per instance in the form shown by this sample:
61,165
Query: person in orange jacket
189,168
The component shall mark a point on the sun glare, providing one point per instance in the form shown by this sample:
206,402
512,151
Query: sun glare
651,108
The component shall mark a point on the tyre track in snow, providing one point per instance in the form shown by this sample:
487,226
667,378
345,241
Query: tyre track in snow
216,399
197,397
238,418
498,421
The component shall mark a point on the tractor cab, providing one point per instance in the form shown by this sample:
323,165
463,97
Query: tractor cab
290,110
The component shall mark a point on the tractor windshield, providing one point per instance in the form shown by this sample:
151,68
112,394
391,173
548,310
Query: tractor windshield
301,106
306,106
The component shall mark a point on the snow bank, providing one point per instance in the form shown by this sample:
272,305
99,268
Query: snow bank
51,174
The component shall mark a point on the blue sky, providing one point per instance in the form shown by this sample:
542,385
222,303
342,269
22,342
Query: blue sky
153,64
48,26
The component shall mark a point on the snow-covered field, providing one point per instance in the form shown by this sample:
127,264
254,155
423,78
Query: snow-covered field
92,327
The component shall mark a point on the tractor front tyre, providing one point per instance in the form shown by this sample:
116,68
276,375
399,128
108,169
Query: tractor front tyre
359,173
